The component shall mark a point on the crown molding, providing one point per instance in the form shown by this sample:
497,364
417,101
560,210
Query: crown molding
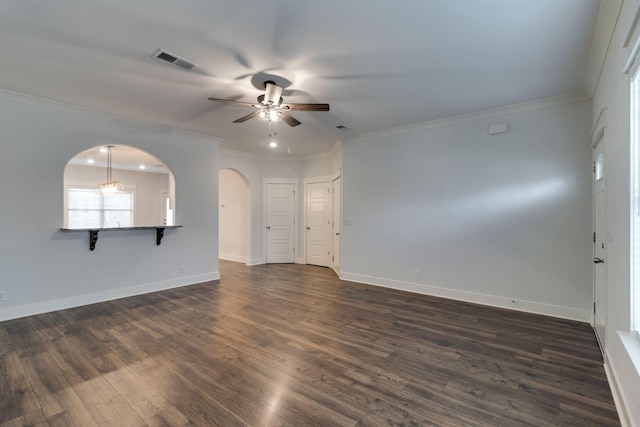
98,114
478,115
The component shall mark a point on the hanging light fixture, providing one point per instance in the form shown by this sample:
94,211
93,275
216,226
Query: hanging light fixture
111,186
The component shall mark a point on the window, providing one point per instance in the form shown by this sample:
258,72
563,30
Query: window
87,208
635,199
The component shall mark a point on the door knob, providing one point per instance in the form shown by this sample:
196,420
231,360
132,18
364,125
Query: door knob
598,261
268,228
337,234
308,228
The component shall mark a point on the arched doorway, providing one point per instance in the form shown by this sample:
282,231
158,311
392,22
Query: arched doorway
234,226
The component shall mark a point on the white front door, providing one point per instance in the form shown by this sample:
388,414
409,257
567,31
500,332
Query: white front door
318,223
337,222
280,227
600,243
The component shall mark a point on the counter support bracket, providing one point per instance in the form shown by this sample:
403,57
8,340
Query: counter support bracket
93,238
93,232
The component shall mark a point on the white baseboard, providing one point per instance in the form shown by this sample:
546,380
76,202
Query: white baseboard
101,296
301,260
618,398
255,261
235,258
490,300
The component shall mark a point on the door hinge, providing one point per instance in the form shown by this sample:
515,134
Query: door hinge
594,167
594,237
594,307
294,250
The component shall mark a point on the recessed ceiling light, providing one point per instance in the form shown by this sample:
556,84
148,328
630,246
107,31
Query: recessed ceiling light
273,144
142,167
103,150
91,161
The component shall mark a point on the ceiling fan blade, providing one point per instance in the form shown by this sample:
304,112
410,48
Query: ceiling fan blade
306,107
290,120
247,117
272,93
231,101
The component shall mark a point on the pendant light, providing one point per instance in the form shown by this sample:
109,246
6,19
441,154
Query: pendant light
110,187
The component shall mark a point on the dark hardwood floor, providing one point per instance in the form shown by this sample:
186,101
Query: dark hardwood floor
292,345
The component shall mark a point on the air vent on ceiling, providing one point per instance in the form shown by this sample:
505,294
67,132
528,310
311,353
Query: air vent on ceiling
175,60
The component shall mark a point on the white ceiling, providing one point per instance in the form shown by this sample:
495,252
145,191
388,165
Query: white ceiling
379,64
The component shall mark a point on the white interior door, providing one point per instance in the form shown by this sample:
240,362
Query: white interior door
280,235
600,243
337,223
318,223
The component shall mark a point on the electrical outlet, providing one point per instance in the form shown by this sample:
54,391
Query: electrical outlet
3,295
418,274
181,269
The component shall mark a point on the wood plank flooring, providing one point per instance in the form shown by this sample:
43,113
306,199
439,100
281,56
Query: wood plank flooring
293,346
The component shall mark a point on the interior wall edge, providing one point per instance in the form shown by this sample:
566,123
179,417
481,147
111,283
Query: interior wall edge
102,296
618,397
558,311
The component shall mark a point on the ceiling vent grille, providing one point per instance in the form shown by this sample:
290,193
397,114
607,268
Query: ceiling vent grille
172,59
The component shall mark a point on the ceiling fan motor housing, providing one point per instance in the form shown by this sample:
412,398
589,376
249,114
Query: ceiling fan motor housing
272,94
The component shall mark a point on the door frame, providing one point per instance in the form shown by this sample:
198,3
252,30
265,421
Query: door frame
599,136
337,174
265,183
318,180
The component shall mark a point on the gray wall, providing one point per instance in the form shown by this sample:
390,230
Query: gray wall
503,220
45,269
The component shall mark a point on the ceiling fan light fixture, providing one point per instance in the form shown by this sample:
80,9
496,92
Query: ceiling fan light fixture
270,114
270,107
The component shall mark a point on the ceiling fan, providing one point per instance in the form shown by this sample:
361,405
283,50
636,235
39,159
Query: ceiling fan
270,107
